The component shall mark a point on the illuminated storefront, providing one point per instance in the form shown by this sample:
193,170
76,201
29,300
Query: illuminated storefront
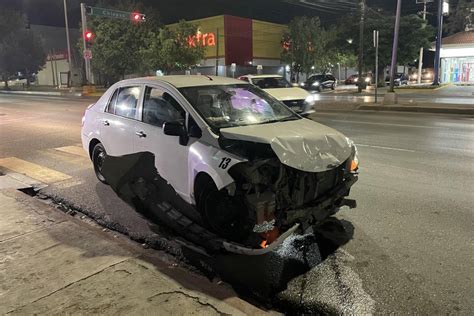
457,58
249,44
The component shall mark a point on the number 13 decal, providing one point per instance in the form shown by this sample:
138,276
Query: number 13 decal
225,163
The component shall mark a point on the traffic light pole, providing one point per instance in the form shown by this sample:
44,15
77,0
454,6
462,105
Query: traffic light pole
68,44
87,61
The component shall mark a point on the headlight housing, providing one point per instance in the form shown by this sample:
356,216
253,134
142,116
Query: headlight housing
316,84
367,79
353,161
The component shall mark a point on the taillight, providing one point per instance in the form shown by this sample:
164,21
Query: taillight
84,116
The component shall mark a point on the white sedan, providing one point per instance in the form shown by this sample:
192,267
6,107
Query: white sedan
249,166
294,97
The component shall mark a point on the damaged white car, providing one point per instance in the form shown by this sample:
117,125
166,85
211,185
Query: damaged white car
252,169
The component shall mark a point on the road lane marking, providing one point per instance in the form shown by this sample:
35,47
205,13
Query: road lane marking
32,170
389,148
74,150
388,124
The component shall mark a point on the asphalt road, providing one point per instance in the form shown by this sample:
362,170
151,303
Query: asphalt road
411,247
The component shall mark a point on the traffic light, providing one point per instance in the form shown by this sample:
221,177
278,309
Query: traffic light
137,17
88,36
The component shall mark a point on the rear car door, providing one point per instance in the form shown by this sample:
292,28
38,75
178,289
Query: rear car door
171,158
118,122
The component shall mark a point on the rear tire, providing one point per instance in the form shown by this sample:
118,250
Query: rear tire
98,157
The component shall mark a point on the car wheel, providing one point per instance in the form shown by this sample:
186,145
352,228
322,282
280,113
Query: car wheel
98,157
333,87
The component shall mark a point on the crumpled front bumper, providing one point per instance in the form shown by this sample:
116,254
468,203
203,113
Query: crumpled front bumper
323,207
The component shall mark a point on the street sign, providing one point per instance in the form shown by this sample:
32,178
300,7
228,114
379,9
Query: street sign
87,54
259,67
108,13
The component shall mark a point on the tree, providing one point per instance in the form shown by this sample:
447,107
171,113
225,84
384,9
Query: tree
116,44
173,49
305,45
458,18
414,33
20,49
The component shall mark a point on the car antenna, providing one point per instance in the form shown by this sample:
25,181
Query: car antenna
208,77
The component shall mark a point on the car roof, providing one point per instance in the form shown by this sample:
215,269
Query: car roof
180,81
263,76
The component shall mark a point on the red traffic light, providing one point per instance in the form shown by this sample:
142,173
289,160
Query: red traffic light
137,17
88,35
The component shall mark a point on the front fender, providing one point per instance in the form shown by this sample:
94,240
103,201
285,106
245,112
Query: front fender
213,161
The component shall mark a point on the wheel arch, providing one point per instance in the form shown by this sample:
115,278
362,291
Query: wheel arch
92,144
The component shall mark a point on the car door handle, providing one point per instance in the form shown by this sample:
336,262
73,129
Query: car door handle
105,122
140,134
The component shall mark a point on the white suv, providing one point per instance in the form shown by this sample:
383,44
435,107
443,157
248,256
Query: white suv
229,150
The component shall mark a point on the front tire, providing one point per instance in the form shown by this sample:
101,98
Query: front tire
98,157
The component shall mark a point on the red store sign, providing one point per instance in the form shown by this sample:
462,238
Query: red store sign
204,39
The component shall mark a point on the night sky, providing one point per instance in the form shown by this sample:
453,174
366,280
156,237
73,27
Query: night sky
50,12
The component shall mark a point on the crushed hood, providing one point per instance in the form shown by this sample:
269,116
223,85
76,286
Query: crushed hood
286,94
302,144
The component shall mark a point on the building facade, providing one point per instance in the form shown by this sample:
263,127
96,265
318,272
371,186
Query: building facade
252,45
457,58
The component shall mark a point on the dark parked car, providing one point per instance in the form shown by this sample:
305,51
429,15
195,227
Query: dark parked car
399,80
320,82
352,79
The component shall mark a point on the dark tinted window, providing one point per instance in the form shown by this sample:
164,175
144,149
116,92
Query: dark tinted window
160,107
271,82
127,101
330,77
316,78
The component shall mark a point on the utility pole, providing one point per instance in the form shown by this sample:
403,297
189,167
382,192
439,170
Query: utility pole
68,44
376,44
217,52
393,68
439,37
361,43
420,60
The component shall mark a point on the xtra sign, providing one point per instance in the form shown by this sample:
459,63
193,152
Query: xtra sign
204,39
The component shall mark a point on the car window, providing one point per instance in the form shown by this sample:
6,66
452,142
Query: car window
330,77
271,82
160,107
127,101
113,100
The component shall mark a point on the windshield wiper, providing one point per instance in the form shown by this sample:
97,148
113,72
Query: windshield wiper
289,118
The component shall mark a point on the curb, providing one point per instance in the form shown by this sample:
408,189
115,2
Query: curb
47,93
462,111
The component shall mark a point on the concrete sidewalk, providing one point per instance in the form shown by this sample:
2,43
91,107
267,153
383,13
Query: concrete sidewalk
53,263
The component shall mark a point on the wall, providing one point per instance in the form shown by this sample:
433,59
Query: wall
50,70
267,39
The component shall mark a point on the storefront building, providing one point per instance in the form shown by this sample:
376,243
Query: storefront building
252,45
457,58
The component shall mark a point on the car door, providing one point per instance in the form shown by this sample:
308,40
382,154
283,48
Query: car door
171,158
119,119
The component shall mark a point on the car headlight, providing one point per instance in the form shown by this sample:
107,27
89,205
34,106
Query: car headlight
310,99
302,84
356,79
316,83
353,161
367,79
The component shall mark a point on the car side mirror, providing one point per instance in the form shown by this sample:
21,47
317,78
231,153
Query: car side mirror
176,129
